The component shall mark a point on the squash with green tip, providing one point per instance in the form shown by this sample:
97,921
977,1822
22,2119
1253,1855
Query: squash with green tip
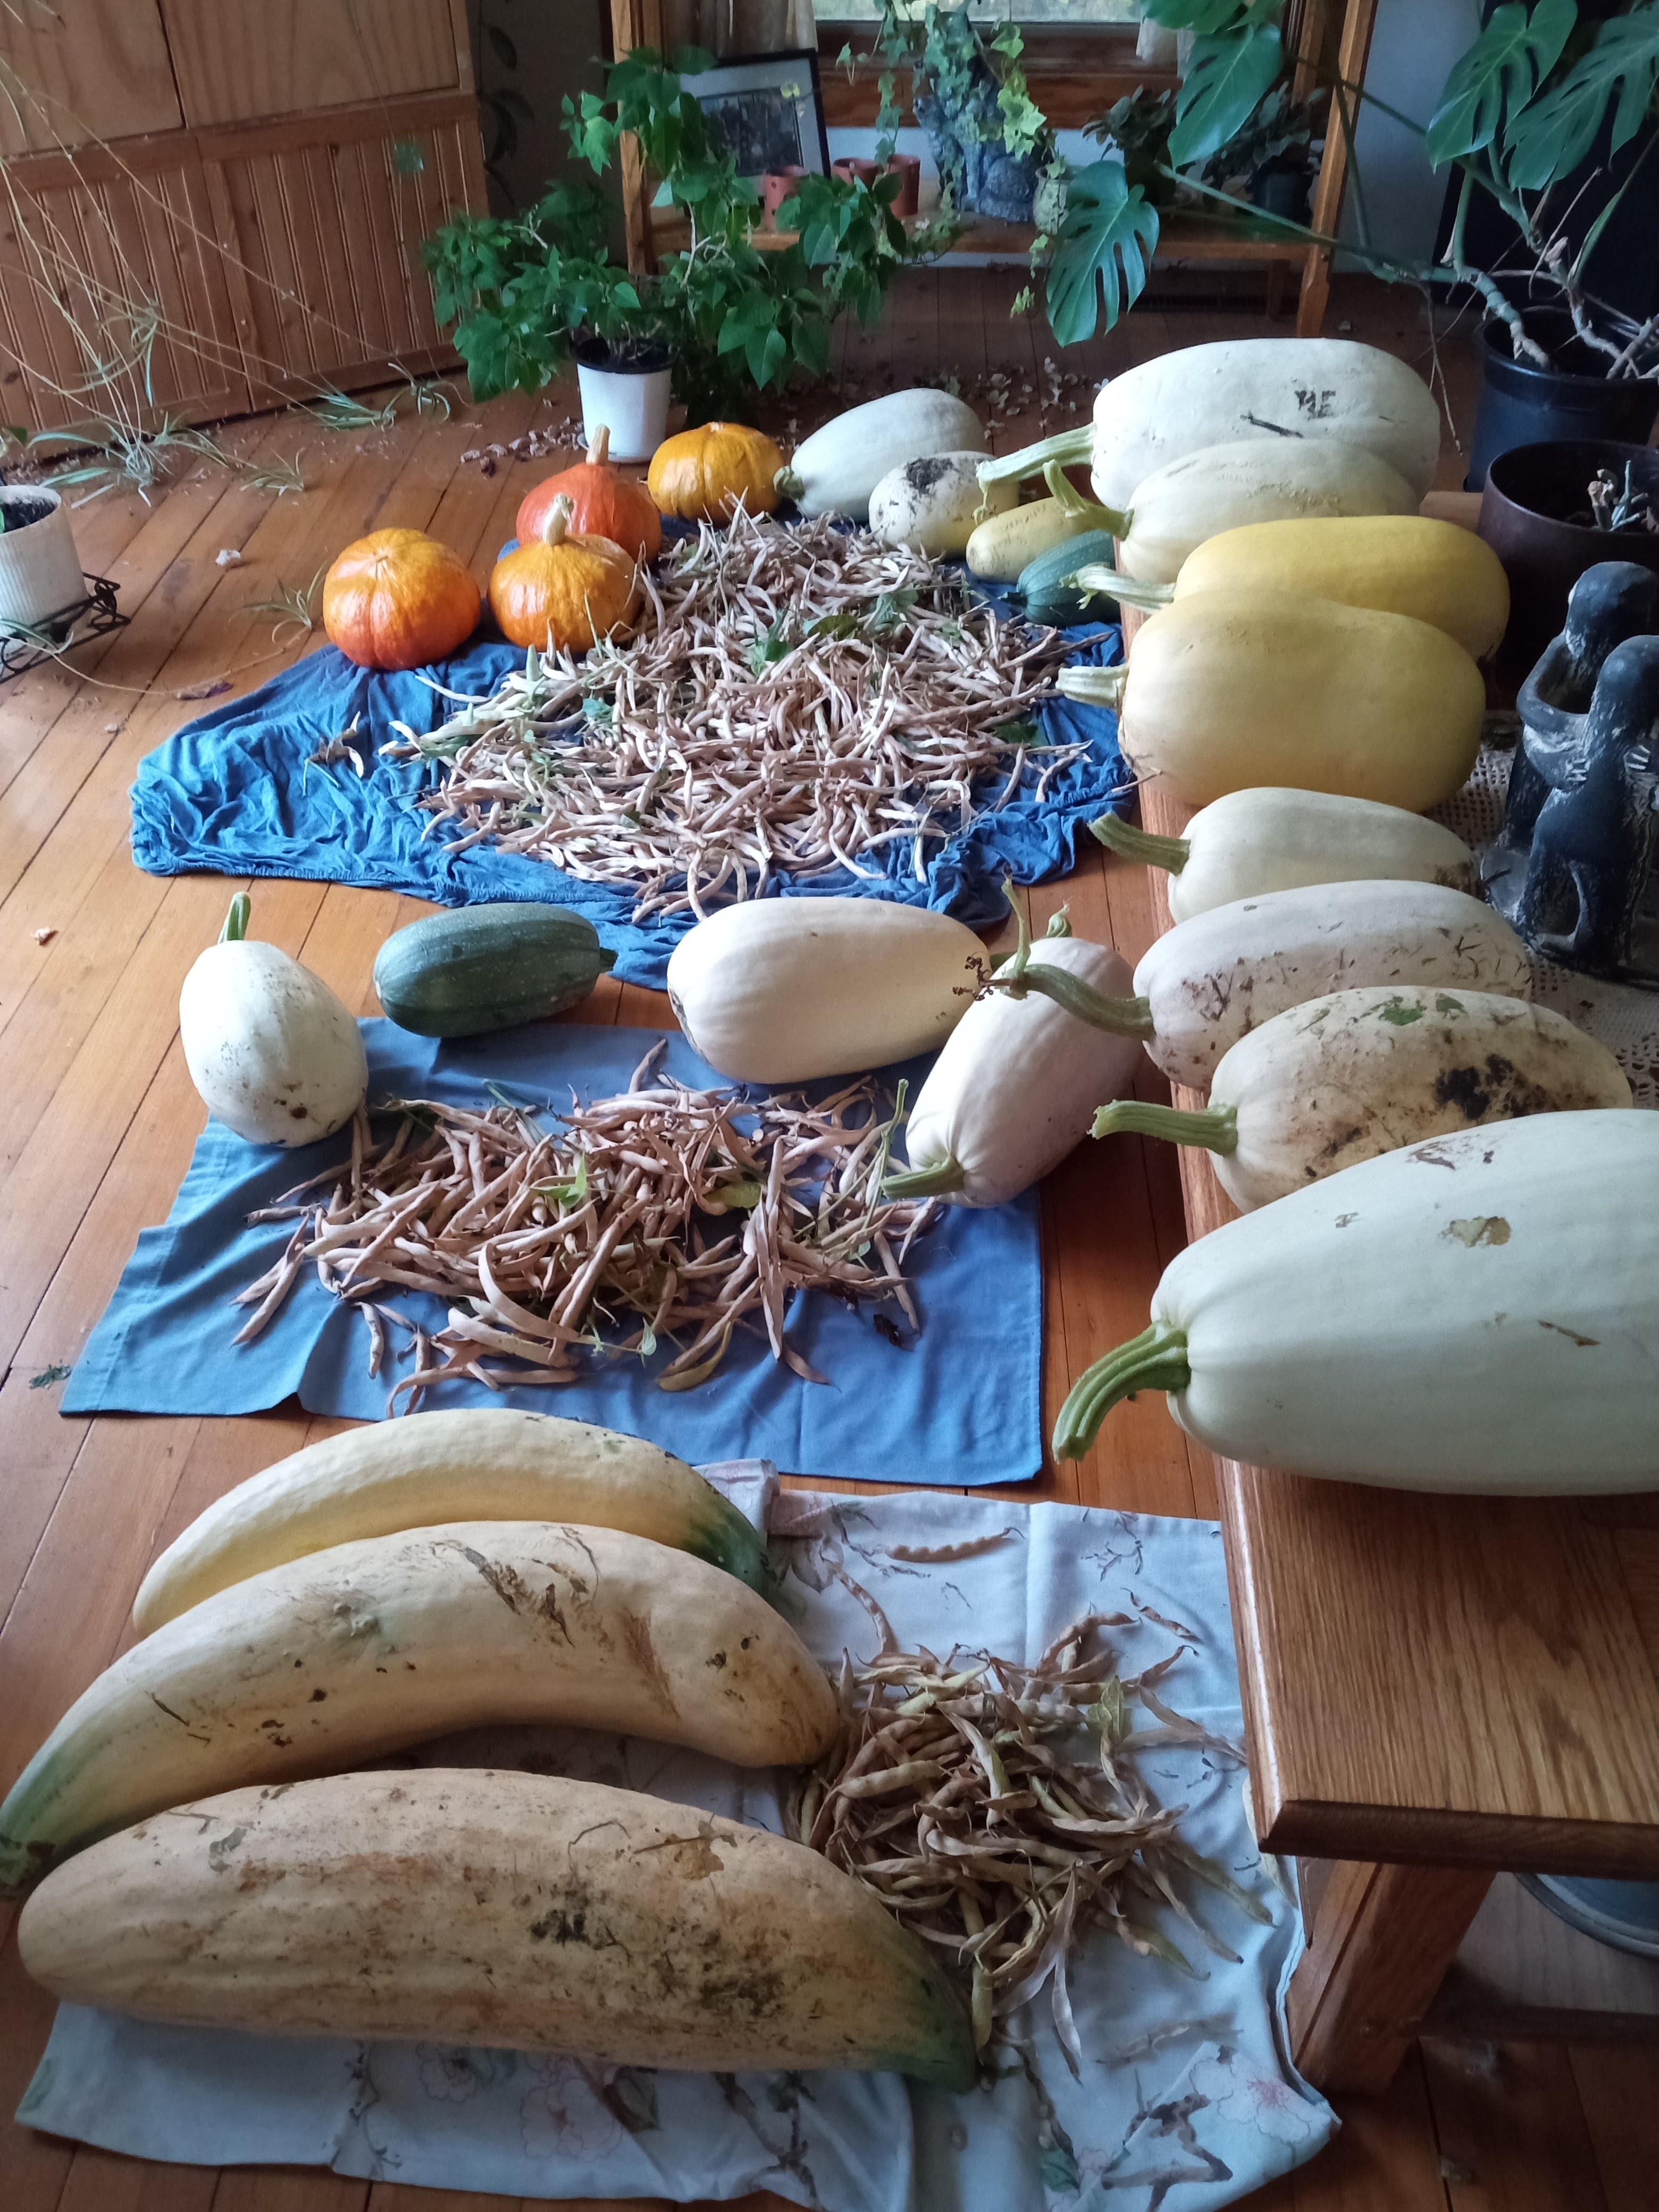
488,968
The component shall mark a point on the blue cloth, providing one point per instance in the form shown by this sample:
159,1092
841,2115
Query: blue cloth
234,793
960,1404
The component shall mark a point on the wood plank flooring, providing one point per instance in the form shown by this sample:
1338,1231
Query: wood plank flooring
98,1119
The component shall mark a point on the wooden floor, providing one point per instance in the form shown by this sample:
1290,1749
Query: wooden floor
98,1120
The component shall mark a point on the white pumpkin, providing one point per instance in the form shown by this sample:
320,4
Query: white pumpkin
274,1054
935,504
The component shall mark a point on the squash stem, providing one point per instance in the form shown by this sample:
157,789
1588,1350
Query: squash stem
787,484
1154,1360
235,928
1128,591
946,1175
1095,687
1060,923
1071,499
1070,448
1215,1128
1122,838
1130,1018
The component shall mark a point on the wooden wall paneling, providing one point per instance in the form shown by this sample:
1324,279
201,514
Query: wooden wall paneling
98,69
236,61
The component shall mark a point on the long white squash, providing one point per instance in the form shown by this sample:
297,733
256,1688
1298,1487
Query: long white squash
1344,1078
1479,1313
835,470
467,1906
1270,838
782,990
492,1464
1210,981
364,1649
1010,1094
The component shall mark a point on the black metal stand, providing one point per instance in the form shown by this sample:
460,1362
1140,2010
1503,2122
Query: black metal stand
22,649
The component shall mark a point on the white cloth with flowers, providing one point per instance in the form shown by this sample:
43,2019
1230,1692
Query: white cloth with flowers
1187,2100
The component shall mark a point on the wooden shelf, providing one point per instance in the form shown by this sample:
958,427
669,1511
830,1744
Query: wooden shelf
1182,237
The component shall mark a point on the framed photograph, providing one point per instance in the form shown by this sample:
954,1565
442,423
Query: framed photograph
769,109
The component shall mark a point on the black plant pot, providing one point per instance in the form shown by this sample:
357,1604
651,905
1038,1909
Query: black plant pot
1521,405
1283,188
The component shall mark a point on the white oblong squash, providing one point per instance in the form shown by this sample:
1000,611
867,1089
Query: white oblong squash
1478,1313
1269,838
1218,488
272,1052
933,504
1010,1094
495,1463
369,1647
1235,687
1211,981
517,1911
1259,388
783,990
835,470
1336,1081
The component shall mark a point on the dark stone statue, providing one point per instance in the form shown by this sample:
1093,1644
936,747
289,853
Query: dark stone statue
1572,868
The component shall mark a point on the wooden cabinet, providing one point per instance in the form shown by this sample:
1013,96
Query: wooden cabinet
215,205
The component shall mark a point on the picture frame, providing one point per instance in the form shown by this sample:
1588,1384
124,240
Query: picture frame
769,108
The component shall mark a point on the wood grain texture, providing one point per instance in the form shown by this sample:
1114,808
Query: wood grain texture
234,60
1512,2134
96,69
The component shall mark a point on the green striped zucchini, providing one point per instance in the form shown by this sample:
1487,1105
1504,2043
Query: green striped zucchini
488,968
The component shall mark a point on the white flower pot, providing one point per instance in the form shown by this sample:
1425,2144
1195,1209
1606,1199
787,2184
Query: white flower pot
39,569
632,404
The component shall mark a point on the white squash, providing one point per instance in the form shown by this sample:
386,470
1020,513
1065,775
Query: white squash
1010,1094
1270,838
782,990
1210,981
513,1910
273,1053
369,1647
1342,1078
1478,1313
1175,509
835,470
1004,546
489,1463
934,505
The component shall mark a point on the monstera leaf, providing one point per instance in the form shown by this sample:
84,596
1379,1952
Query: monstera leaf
1107,221
1228,74
1509,61
1549,139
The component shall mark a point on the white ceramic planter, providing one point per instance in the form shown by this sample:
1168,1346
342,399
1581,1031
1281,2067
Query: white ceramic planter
39,569
631,403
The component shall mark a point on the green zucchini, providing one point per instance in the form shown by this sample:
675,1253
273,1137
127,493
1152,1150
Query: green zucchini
488,968
1046,587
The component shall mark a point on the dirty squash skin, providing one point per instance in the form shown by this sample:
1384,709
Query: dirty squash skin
364,1649
510,1910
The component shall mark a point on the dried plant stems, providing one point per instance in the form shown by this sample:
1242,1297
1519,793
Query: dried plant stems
691,1212
798,699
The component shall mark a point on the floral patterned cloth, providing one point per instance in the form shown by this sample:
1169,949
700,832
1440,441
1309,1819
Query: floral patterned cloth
1186,2100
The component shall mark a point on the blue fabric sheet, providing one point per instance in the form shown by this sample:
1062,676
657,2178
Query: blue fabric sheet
960,1404
234,793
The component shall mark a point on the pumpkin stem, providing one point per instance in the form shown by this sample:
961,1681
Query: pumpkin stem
599,450
235,928
557,524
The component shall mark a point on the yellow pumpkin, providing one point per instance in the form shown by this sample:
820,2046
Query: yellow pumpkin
398,599
559,592
704,475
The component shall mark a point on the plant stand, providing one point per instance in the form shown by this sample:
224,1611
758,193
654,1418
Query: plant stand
92,617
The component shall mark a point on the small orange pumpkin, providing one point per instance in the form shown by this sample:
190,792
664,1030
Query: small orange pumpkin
398,599
703,474
603,503
560,591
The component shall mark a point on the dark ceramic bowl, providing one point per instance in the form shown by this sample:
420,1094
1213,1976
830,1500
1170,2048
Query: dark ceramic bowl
1530,491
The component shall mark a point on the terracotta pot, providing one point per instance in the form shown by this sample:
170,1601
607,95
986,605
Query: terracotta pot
907,168
776,186
854,172
1530,490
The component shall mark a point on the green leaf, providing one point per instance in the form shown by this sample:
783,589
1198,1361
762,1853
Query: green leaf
1509,61
1228,75
1549,139
1107,221
766,353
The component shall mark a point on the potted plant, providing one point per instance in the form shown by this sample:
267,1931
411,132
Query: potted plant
1550,512
40,572
988,139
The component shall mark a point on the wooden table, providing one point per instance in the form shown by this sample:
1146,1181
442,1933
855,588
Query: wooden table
1435,1689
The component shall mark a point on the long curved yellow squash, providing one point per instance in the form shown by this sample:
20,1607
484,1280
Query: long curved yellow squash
473,1907
493,1464
352,1653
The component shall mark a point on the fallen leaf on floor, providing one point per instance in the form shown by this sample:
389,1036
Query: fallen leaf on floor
45,936
209,690
227,557
47,1376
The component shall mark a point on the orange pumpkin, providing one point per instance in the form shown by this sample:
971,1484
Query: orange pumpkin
563,592
398,599
603,503
703,474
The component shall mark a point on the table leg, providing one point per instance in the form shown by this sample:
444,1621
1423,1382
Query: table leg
1380,1939
1275,289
